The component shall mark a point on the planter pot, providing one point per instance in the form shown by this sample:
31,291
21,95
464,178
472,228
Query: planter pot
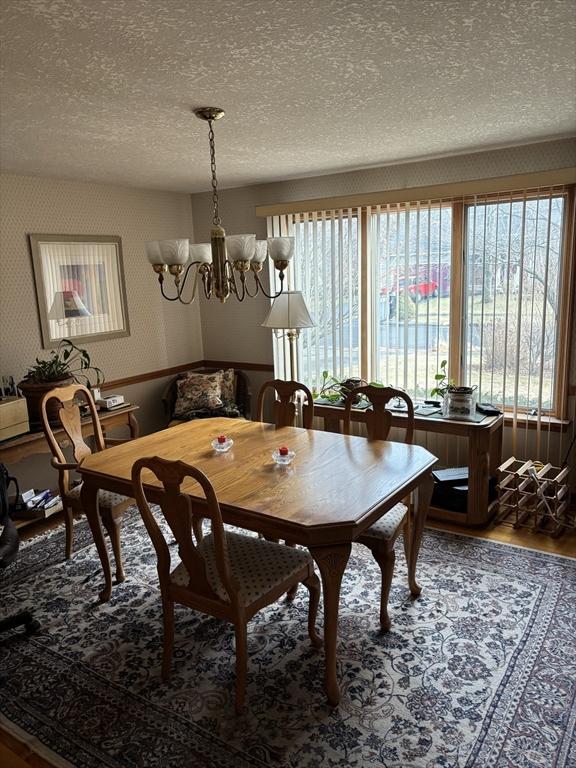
34,392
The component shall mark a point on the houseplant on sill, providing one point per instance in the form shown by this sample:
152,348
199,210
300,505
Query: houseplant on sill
66,364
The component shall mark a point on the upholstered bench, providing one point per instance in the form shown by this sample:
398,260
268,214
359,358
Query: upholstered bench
204,393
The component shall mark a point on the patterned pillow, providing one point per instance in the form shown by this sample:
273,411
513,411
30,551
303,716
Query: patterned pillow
228,386
198,390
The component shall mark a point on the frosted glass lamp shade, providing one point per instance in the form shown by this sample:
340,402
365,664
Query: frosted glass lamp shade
240,247
153,252
174,251
289,311
281,248
67,304
201,252
261,251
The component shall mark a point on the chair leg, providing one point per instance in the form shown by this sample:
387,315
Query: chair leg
112,525
312,583
69,522
415,588
385,557
291,594
168,646
241,664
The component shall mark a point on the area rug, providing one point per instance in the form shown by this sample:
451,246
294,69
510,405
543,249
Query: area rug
479,671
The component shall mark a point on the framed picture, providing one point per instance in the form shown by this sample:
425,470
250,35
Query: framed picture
80,287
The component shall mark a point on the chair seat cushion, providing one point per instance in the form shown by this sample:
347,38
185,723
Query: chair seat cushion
256,564
388,525
106,499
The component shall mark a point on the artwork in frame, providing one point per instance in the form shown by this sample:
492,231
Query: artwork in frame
80,287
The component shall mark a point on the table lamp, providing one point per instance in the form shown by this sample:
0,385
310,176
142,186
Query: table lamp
289,313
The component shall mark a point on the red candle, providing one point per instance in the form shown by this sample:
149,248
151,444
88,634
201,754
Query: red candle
283,451
222,438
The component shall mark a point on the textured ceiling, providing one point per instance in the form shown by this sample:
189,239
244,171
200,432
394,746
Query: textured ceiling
101,90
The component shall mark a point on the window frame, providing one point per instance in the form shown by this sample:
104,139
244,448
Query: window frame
458,204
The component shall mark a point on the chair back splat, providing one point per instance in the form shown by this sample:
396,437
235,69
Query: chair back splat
379,418
284,404
70,398
178,511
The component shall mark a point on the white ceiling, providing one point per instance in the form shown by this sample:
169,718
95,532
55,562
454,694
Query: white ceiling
101,90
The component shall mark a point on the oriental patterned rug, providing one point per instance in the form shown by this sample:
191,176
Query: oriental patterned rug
480,671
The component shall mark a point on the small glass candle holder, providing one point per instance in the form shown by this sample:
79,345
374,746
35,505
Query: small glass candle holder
222,444
283,456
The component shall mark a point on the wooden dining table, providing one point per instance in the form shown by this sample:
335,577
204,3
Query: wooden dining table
335,488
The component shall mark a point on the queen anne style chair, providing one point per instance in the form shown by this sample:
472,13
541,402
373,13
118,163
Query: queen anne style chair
110,505
285,414
284,405
381,536
223,574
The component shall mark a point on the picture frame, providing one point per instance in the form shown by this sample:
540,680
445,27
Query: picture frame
80,287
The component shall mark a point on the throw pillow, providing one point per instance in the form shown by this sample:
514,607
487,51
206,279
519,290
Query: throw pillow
228,386
198,390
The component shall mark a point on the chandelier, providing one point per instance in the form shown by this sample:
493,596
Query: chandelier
223,265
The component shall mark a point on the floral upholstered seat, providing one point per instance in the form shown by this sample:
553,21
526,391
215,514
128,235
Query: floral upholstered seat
387,527
257,565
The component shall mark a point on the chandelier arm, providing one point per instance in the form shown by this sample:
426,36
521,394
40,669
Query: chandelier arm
231,277
256,292
180,286
207,283
265,292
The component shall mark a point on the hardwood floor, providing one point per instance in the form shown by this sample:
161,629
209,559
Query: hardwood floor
16,754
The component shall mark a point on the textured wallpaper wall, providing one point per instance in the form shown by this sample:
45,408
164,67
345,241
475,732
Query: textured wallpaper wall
233,332
161,334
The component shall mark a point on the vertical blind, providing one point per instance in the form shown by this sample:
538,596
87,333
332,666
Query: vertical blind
483,282
326,268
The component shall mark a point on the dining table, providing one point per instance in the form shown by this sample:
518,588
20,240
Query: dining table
335,487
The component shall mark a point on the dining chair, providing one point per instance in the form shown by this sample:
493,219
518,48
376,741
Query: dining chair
381,537
224,574
285,414
110,505
284,402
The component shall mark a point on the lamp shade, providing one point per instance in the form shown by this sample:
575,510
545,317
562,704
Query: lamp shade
201,253
260,252
289,311
67,304
174,252
153,252
281,248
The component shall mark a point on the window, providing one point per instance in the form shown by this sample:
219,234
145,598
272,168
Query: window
395,289
513,266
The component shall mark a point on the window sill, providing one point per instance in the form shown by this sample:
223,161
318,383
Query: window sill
547,423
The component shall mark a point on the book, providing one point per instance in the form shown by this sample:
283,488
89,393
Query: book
451,475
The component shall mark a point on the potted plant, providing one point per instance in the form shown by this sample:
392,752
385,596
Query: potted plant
66,364
442,382
335,391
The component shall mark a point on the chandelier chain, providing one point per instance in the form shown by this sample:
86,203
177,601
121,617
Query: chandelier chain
216,218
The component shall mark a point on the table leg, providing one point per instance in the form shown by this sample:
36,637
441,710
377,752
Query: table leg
331,562
415,527
134,426
479,445
89,498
